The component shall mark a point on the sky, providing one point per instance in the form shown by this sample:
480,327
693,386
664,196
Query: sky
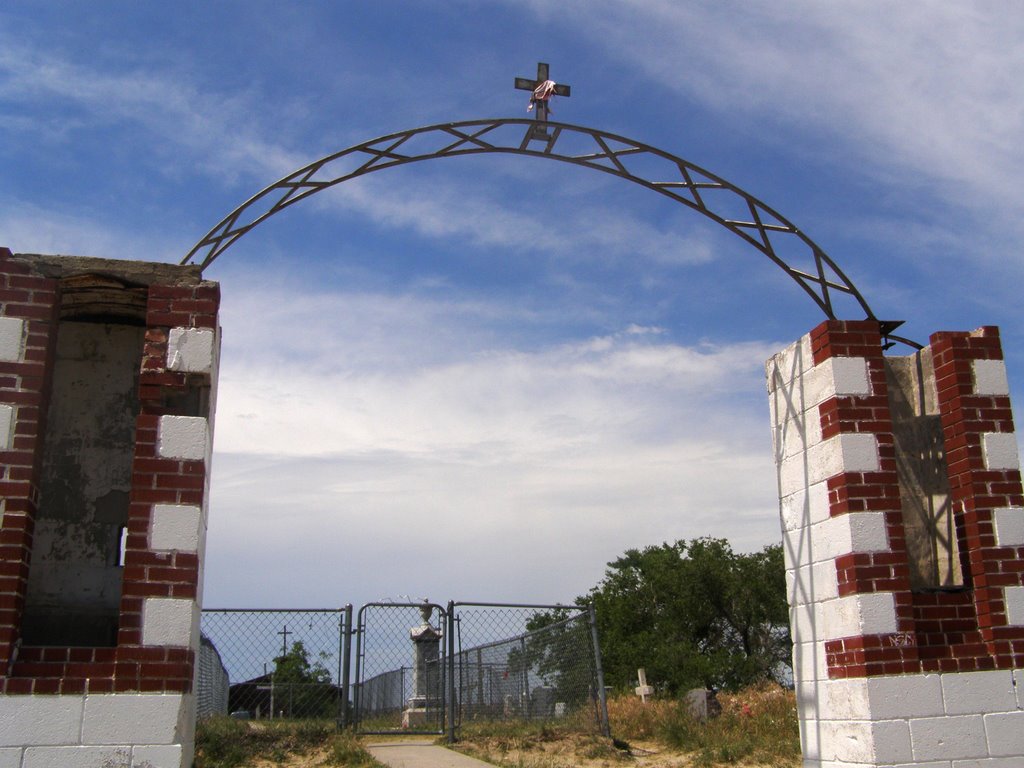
485,378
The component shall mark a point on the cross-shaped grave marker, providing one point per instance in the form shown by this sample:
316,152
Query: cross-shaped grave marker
643,690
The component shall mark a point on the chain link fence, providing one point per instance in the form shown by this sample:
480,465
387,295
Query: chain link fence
420,667
524,662
289,664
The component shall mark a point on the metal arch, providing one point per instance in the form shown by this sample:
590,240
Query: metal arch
758,224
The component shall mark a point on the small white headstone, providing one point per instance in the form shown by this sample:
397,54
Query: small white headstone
643,690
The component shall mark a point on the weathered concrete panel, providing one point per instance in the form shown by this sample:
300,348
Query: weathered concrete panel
74,587
923,476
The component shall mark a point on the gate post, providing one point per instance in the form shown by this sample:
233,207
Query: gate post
345,652
451,671
602,694
895,663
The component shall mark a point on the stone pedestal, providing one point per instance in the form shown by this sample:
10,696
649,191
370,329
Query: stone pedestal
425,701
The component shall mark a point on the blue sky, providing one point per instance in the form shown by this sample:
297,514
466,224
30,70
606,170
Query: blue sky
483,378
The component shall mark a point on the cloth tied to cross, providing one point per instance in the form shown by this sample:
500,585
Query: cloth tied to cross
542,92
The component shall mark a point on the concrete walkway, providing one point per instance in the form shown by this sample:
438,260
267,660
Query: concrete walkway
420,754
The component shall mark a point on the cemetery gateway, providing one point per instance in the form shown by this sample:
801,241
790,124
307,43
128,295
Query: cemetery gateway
899,482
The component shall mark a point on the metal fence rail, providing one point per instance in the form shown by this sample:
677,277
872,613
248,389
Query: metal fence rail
283,663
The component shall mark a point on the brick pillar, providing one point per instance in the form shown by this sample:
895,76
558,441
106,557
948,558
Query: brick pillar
887,675
28,325
132,703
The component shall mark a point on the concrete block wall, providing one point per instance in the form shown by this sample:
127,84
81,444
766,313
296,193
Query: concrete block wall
886,675
131,704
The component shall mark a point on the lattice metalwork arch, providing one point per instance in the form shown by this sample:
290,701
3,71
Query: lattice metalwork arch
721,201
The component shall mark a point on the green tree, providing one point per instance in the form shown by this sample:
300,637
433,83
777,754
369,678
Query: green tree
303,688
694,614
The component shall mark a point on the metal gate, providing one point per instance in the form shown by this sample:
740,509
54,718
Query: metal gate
401,668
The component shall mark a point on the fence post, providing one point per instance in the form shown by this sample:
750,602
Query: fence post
606,730
344,653
357,689
451,671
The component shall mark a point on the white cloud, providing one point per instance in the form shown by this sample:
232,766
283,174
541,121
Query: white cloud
215,127
214,131
524,470
928,88
27,228
453,208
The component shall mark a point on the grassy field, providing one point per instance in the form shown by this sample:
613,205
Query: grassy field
757,727
222,742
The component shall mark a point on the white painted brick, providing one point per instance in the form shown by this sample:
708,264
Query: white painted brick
157,757
917,764
810,699
810,662
1005,733
804,507
990,378
1009,523
168,621
183,437
789,364
191,350
858,453
1000,450
6,426
905,696
846,699
850,375
1018,686
175,527
12,339
127,718
78,757
891,740
837,376
10,757
794,436
986,762
810,743
846,740
952,738
866,742
867,614
852,532
40,720
968,693
1014,598
840,453
802,622
813,583
793,543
